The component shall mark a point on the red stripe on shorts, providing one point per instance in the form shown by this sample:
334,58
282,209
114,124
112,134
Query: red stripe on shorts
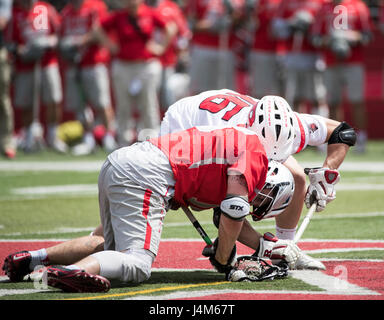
148,233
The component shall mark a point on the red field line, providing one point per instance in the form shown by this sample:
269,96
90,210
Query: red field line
187,255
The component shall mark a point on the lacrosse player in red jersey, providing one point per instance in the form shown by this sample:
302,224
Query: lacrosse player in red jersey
229,108
85,66
201,167
32,36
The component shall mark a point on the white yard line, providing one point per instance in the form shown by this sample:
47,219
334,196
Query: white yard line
7,292
331,284
40,192
46,190
82,166
343,250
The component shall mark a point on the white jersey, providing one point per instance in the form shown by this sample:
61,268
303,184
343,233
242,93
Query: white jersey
218,108
227,108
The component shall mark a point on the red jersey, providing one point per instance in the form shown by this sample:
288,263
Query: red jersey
25,26
202,158
287,9
357,16
133,32
263,38
80,22
170,11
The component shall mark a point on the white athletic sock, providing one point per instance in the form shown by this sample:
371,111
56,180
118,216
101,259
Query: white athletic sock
39,257
285,234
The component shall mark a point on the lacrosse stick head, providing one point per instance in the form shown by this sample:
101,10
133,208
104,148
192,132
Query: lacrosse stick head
251,268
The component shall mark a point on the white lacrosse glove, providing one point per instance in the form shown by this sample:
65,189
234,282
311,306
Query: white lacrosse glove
321,189
276,249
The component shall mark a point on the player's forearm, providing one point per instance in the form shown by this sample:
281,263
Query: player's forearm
249,236
336,154
229,231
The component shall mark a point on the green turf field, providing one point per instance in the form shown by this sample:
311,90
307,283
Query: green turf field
36,203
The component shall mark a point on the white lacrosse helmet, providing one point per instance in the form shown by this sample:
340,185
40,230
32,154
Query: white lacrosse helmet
273,121
276,194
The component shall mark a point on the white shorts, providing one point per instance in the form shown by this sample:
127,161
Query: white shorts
211,68
303,79
50,87
264,74
135,86
350,77
132,209
87,85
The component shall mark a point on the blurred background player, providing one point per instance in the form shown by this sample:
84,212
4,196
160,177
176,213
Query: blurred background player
86,71
264,69
175,56
136,71
33,35
212,61
7,145
342,33
303,67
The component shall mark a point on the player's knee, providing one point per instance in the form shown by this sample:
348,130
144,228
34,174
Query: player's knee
130,266
135,269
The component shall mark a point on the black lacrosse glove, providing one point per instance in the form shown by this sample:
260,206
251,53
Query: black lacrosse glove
222,268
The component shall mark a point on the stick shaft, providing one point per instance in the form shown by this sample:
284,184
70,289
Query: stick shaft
197,226
305,223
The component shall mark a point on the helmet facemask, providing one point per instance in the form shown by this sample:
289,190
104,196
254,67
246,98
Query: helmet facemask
264,201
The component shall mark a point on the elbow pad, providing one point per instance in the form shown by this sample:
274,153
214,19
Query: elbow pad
343,133
235,208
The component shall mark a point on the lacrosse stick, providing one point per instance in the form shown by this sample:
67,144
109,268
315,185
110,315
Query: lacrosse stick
208,250
305,223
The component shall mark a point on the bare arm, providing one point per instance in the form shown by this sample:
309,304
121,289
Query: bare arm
249,236
230,229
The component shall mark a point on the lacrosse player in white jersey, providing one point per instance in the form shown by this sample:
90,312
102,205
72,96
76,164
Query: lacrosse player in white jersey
282,133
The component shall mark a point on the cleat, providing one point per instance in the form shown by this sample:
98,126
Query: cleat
16,265
70,280
305,262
